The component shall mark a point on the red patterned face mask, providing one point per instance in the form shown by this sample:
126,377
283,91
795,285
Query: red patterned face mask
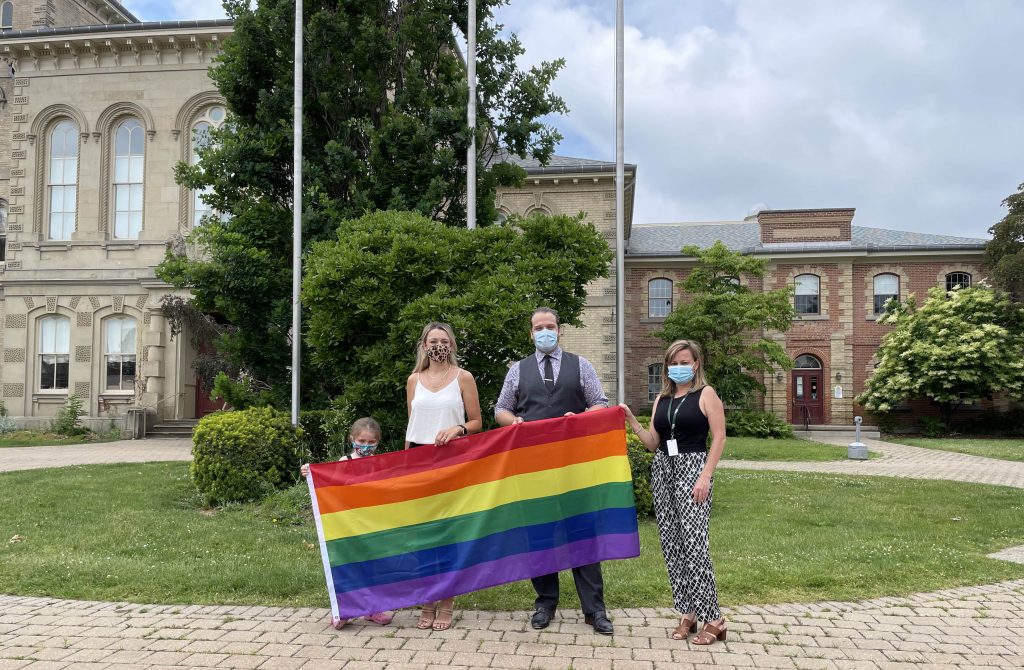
439,353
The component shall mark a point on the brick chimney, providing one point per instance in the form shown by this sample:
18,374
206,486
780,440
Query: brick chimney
793,226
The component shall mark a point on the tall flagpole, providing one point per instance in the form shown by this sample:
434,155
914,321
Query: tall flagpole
297,218
471,117
620,208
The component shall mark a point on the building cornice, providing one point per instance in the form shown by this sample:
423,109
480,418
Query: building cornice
906,253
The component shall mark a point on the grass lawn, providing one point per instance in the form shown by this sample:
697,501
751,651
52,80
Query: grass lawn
793,449
35,438
1009,449
132,532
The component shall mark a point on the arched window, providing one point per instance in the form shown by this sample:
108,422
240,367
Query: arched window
129,156
653,381
7,16
54,350
659,297
3,230
62,180
807,291
807,362
958,280
119,353
212,118
887,286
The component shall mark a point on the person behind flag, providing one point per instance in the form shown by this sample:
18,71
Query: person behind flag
443,405
364,435
546,384
682,480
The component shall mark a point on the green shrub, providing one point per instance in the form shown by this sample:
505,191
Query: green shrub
6,423
931,426
640,465
1007,423
68,419
746,423
324,434
244,455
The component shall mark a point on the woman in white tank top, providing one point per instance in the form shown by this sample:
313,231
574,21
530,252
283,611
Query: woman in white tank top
443,405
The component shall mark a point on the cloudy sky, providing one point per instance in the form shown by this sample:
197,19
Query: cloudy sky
912,111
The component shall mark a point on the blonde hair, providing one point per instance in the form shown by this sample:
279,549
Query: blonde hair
668,387
366,424
421,345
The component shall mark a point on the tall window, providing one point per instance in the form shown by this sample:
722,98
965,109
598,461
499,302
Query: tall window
659,297
958,280
212,118
653,381
887,286
129,154
3,230
119,357
54,348
63,180
7,16
807,290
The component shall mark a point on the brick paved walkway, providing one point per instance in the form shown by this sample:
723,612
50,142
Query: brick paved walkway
956,629
123,451
899,460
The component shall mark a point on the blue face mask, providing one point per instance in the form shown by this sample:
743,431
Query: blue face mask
680,374
363,449
546,340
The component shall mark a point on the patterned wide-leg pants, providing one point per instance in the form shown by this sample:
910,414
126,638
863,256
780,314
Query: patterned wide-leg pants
683,527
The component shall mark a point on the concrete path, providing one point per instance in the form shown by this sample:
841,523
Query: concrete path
122,451
959,629
899,460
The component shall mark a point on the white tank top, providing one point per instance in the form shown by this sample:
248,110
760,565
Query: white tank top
432,412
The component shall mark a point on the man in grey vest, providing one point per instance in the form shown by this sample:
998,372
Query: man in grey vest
547,384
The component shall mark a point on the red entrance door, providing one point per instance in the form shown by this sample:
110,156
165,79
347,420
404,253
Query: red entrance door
808,400
204,405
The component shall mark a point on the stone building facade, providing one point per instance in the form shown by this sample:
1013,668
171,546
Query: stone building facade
99,109
842,276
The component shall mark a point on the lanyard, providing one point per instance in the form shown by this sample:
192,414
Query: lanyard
672,418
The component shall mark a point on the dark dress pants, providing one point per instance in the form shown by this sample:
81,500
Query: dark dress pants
589,586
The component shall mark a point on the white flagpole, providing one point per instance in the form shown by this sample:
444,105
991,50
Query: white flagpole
297,218
620,208
471,117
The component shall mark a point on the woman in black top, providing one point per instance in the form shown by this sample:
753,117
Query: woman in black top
686,410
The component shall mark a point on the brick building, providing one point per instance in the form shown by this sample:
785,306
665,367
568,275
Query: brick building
842,274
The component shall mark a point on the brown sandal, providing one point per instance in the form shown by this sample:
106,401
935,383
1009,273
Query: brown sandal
443,620
710,633
687,626
427,616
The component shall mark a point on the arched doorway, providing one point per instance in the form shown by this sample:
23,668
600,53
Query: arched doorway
808,390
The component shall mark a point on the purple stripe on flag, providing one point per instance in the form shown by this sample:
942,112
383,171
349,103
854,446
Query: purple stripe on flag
391,596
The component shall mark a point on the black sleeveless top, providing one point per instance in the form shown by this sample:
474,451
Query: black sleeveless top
691,426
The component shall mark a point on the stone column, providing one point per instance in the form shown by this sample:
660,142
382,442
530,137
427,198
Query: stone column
154,343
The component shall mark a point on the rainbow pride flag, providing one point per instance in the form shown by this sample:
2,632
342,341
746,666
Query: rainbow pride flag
410,527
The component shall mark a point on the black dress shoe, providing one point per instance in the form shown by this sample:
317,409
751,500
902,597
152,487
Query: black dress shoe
600,622
541,618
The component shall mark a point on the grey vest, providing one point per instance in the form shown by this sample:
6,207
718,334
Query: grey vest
536,402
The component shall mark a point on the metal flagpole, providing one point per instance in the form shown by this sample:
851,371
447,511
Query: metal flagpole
297,218
620,209
471,117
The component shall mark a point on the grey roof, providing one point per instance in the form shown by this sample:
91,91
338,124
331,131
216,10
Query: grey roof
118,28
745,236
561,164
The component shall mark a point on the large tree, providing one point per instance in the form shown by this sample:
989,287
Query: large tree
1004,253
731,321
371,290
384,128
958,347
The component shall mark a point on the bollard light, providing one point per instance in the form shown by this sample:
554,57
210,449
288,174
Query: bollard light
857,450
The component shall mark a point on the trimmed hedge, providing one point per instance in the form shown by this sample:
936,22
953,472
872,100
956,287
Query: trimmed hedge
244,455
747,423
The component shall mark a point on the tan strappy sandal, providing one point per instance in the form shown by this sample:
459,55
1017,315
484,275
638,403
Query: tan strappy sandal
711,632
443,621
427,617
687,626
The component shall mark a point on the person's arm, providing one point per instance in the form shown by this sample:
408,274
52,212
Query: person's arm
648,436
410,391
471,401
711,406
505,408
593,393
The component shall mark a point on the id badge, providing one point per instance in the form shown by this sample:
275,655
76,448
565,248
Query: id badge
672,447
